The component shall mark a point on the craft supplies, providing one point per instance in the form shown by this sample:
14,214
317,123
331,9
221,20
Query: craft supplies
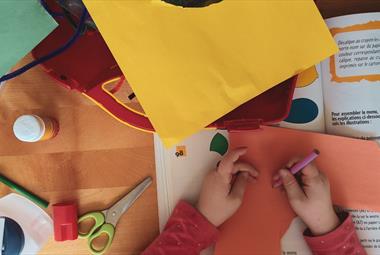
65,218
12,237
33,128
106,220
35,225
37,200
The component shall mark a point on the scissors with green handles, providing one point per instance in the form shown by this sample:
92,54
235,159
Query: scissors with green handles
105,221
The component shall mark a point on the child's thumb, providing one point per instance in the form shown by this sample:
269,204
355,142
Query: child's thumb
291,186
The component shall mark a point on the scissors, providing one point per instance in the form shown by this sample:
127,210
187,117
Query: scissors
105,221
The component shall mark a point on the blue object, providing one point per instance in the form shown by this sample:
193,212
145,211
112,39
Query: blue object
303,110
13,239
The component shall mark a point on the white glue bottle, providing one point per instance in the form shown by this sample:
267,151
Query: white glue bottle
33,128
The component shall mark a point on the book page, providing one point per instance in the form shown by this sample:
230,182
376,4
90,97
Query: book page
367,226
181,169
307,111
351,78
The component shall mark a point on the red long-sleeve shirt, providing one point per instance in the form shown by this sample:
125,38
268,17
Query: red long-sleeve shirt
188,233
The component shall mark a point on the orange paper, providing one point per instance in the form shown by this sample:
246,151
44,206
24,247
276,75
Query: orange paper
352,165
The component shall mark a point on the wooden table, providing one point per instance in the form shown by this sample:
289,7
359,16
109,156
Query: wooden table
94,160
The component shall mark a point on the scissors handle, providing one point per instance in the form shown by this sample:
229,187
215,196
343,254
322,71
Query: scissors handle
99,219
106,229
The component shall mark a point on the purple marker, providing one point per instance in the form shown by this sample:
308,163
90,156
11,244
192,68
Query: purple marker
299,166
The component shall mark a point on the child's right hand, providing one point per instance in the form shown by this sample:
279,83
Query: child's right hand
311,201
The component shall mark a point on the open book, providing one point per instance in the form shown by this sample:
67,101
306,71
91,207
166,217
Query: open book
342,95
343,100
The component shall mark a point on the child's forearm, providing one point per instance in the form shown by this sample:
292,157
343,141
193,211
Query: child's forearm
187,232
341,241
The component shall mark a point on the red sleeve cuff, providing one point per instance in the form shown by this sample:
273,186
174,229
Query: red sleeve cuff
193,223
343,238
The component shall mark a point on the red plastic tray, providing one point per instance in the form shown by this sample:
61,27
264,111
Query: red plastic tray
88,65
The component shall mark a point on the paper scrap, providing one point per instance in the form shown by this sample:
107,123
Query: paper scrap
24,25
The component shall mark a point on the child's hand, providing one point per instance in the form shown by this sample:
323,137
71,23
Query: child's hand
311,202
221,193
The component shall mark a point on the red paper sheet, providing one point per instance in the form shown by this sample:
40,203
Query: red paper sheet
352,165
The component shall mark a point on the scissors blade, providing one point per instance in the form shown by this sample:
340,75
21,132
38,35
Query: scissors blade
114,213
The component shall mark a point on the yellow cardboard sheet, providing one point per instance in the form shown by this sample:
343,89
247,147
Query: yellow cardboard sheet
190,66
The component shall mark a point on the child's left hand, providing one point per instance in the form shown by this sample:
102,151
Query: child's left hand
222,194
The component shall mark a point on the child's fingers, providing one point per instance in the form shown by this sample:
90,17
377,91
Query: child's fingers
234,155
291,186
313,179
276,181
244,167
252,179
226,165
292,162
238,188
310,171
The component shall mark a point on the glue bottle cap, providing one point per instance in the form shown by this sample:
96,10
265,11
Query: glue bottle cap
29,128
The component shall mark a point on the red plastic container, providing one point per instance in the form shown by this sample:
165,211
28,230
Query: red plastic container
268,108
88,65
65,218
